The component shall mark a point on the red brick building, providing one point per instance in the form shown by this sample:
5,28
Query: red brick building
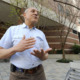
48,21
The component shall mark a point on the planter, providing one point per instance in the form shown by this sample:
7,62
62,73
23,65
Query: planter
68,56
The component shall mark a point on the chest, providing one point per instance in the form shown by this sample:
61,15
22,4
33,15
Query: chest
18,35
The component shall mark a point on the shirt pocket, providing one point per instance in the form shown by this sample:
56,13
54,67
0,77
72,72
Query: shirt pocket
16,39
39,41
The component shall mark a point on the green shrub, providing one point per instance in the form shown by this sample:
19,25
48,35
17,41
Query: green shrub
64,60
59,51
52,51
76,49
4,60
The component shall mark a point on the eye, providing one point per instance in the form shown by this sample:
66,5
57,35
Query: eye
33,11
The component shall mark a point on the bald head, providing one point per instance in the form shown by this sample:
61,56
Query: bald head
30,9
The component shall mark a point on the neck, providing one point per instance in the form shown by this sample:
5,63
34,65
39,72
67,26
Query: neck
31,25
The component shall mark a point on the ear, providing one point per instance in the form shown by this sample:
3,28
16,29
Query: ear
24,14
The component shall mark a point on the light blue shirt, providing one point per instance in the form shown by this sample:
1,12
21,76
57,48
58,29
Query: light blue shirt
13,36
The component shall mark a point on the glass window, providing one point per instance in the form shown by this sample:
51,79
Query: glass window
67,13
65,0
74,31
79,36
79,21
60,8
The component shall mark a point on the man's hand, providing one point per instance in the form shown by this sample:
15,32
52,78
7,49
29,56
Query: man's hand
43,55
24,44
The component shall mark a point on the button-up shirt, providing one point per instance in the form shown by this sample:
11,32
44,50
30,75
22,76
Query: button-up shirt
13,36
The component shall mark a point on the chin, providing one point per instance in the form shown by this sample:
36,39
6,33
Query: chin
35,22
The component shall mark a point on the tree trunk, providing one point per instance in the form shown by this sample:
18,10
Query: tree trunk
63,54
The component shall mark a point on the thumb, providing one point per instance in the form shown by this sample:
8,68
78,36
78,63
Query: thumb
23,37
48,50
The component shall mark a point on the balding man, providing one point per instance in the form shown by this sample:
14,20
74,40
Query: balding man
27,47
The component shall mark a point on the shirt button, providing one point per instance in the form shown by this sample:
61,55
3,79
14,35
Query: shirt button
32,64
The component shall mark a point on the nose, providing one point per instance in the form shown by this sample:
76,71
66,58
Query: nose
36,13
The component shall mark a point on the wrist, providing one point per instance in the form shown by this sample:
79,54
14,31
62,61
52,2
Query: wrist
44,57
13,49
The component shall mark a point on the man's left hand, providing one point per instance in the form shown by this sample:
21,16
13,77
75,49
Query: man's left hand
43,55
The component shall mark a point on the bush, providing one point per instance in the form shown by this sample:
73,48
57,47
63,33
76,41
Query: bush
52,51
64,60
59,51
76,49
4,60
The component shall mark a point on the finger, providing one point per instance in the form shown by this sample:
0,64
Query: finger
32,38
23,37
42,51
36,51
33,53
29,44
30,41
48,50
28,47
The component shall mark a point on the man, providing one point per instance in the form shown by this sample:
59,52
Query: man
27,47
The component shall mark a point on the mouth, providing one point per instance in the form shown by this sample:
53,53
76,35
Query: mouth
35,16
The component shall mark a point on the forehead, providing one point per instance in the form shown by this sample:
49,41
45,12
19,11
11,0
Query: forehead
30,9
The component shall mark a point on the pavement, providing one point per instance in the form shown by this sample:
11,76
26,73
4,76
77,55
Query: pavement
53,70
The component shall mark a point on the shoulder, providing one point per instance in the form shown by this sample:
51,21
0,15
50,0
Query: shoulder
16,26
40,32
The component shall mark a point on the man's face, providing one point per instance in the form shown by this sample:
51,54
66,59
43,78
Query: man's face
32,15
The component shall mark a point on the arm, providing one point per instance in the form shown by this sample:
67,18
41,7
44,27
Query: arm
6,53
45,57
42,55
21,46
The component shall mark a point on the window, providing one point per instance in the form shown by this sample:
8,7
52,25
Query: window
79,36
67,12
74,1
74,31
79,21
66,0
60,8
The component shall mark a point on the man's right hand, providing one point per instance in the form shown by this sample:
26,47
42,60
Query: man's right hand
24,44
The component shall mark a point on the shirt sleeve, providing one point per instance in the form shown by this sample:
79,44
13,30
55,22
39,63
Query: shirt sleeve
6,40
45,44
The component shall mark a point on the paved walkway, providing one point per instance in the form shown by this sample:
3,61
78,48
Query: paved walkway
53,70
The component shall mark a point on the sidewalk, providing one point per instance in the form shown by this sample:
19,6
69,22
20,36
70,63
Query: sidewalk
53,70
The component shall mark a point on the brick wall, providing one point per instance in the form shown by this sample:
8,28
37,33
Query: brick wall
2,31
53,38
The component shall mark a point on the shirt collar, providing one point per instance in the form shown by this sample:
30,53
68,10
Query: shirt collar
25,26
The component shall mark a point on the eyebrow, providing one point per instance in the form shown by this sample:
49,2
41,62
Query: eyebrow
35,10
